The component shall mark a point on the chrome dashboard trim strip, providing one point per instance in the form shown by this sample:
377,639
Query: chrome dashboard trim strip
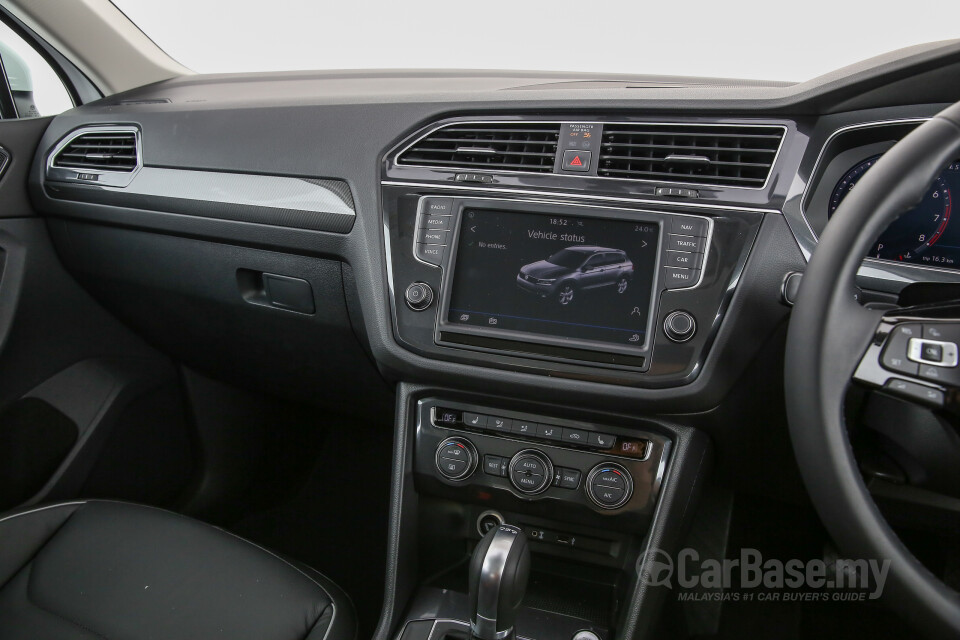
507,191
395,157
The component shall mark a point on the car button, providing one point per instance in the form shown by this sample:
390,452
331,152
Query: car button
683,259
684,243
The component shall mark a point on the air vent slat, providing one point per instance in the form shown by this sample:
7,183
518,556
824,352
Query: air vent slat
105,151
723,155
522,146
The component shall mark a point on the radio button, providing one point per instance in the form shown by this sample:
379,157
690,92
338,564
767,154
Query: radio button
431,253
685,243
675,278
439,206
433,236
689,227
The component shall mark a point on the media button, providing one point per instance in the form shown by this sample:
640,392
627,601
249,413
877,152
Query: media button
431,221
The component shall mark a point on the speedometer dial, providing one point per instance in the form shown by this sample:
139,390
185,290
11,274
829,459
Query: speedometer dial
914,232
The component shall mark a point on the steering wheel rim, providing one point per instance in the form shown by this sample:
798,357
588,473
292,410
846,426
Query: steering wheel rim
828,334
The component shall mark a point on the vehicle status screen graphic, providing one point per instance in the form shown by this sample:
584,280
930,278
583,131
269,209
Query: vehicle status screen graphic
577,278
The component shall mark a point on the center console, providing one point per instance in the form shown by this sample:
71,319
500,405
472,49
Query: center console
619,293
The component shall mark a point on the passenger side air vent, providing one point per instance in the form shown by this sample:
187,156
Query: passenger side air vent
501,146
722,155
99,150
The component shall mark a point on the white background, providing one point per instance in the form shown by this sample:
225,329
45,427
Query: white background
772,40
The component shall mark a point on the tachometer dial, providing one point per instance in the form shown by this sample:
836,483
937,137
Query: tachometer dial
914,232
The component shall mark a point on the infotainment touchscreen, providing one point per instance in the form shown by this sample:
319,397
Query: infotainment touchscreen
566,278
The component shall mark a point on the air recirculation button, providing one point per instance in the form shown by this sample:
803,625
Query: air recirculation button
531,472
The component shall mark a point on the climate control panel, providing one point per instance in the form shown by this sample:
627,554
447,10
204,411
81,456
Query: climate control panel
519,461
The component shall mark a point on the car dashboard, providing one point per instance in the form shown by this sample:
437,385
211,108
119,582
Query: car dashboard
574,287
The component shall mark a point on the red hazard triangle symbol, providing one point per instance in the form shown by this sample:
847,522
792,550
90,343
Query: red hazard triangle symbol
576,162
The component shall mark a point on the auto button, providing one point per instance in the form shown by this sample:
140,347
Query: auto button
531,472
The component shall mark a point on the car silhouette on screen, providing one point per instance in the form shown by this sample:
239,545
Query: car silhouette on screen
574,269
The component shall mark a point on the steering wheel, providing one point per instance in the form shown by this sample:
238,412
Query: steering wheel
833,340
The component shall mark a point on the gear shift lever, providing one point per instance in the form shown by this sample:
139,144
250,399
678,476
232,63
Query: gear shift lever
499,571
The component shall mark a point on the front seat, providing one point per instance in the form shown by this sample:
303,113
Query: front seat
99,569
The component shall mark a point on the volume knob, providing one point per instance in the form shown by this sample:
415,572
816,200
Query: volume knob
679,326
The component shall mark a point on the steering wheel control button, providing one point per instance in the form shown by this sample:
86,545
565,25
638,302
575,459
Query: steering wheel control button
894,355
574,160
601,440
609,486
531,472
456,458
683,226
932,352
418,296
675,278
918,392
679,326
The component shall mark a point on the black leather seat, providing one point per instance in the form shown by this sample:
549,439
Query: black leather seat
97,570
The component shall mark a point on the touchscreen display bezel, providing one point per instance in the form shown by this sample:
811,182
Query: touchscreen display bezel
547,209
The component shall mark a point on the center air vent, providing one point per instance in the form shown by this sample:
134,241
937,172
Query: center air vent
723,155
106,150
502,146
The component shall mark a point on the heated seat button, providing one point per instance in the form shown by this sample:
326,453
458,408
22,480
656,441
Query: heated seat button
499,424
525,427
601,440
549,432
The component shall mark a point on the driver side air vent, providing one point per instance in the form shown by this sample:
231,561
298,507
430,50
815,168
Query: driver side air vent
103,151
721,155
501,146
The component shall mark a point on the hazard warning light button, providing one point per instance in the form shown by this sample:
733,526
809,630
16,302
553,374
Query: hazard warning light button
574,160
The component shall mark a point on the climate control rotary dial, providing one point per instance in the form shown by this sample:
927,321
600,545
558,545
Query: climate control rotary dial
531,472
